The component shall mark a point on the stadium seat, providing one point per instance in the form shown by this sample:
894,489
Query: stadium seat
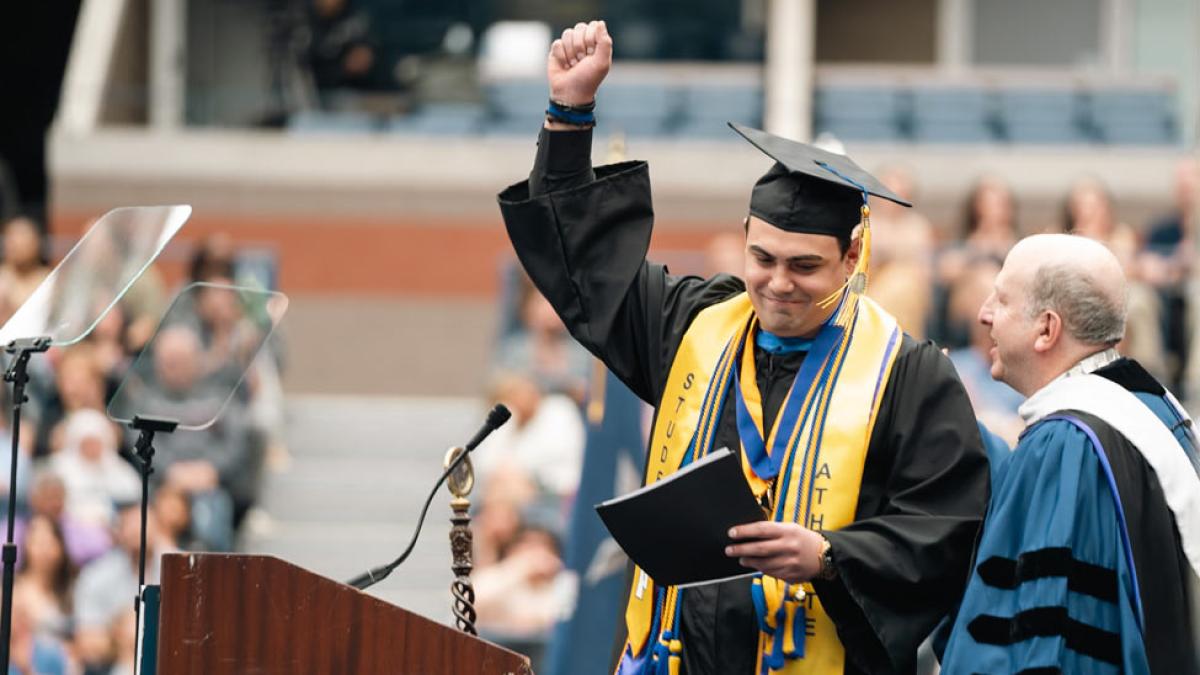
954,115
1041,116
1132,117
860,113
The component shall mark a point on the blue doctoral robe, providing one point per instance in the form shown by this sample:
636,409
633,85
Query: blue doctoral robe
1079,568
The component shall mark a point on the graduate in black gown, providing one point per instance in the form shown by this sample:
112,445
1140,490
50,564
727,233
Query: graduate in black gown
900,558
1091,545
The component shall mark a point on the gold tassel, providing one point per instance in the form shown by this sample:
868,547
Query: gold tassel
858,280
857,283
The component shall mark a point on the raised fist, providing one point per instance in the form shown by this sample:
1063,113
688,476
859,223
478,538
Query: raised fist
578,62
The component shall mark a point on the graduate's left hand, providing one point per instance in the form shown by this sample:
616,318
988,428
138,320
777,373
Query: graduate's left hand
785,551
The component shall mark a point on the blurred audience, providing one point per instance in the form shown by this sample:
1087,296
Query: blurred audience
513,595
1089,211
543,440
995,403
33,653
79,385
21,269
902,247
45,578
1169,251
204,463
174,513
106,587
94,475
1166,263
123,635
991,218
342,52
77,495
84,541
542,349
989,230
517,598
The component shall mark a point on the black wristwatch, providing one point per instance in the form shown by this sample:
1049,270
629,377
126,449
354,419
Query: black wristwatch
827,571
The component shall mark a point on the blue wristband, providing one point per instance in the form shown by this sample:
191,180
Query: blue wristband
558,113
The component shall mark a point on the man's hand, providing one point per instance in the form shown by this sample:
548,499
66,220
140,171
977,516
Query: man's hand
785,551
578,62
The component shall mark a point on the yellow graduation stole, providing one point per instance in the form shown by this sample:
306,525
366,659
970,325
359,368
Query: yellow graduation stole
826,423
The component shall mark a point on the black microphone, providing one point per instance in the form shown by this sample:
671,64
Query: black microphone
496,417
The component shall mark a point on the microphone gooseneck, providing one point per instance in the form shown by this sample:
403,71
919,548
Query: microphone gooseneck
496,417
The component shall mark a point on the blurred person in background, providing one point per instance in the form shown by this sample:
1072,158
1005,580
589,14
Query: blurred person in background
517,599
1167,256
544,439
33,653
229,338
142,307
123,635
1089,211
110,348
990,223
84,541
904,234
106,586
226,339
79,385
45,578
989,229
342,51
1166,263
995,402
902,246
174,513
21,269
215,261
210,465
502,498
94,474
213,257
543,349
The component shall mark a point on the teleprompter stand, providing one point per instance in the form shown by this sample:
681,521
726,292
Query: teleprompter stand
21,350
143,458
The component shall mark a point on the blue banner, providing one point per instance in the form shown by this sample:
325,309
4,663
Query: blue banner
614,456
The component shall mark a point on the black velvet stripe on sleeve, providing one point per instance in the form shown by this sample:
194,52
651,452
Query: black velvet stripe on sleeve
1080,637
1094,580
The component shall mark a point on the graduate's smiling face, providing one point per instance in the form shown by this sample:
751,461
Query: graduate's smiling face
1013,330
788,273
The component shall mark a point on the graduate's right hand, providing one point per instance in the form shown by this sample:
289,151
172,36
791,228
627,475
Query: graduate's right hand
578,63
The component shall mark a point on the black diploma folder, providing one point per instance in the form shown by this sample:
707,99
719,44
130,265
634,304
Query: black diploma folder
677,529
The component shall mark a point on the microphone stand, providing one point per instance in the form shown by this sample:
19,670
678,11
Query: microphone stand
143,457
496,417
23,349
374,575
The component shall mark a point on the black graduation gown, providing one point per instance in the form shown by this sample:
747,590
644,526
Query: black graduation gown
583,236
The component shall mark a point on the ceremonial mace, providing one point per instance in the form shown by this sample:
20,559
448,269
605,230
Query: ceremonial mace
460,481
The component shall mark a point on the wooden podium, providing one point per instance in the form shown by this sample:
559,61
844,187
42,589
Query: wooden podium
258,614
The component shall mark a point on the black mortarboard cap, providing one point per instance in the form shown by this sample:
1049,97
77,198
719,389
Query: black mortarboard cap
809,189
